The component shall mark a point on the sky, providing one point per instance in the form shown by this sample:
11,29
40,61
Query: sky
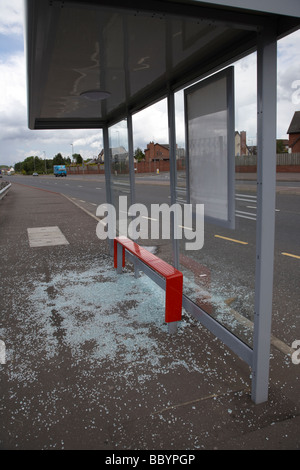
18,142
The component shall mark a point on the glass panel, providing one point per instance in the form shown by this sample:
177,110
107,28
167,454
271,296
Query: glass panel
119,164
220,277
207,116
152,176
286,293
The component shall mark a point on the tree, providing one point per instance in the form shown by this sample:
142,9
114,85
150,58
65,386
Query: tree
40,165
58,159
139,154
78,158
30,165
280,148
18,167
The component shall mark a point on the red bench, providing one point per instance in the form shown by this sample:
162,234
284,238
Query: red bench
173,277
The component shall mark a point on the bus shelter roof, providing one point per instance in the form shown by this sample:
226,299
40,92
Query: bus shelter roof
89,63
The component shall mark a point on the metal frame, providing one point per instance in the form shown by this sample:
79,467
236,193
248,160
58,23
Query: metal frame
258,357
153,275
232,341
257,30
228,74
107,176
235,344
131,158
266,191
173,172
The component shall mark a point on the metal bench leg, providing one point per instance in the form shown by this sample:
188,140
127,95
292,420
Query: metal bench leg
119,258
172,327
136,268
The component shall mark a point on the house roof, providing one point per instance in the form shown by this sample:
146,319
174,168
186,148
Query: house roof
167,146
91,62
295,124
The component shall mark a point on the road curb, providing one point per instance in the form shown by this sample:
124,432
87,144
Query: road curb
80,207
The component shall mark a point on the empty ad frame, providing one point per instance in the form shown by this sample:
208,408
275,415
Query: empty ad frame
210,129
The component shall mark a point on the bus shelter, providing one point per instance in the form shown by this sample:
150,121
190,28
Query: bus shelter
96,64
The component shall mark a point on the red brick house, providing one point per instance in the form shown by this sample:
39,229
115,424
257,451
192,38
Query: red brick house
157,152
294,133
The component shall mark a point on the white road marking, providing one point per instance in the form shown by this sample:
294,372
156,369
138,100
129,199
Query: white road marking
149,218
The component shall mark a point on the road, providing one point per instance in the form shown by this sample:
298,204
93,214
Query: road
228,255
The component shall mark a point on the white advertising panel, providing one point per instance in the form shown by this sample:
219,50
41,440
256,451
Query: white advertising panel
209,117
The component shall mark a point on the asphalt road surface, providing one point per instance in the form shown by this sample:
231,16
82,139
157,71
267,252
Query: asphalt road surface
229,255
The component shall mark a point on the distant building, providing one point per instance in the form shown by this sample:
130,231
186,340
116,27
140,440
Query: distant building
294,133
237,144
241,147
161,152
155,152
118,154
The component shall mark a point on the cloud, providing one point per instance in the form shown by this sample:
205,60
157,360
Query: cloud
246,97
89,140
12,17
288,76
17,141
151,124
13,89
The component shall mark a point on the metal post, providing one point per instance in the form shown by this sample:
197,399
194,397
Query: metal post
107,176
266,190
131,158
172,327
137,268
173,173
119,258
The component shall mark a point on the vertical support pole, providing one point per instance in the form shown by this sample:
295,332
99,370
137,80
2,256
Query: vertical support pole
131,158
173,174
107,176
266,191
136,268
172,327
119,258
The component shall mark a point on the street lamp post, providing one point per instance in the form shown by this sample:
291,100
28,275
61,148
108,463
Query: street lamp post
45,162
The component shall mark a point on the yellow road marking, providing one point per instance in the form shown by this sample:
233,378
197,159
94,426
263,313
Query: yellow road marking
232,240
292,256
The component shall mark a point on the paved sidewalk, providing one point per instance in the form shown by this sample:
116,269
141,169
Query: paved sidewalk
280,177
89,363
286,183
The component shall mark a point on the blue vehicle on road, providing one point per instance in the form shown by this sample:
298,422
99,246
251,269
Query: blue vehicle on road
60,170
